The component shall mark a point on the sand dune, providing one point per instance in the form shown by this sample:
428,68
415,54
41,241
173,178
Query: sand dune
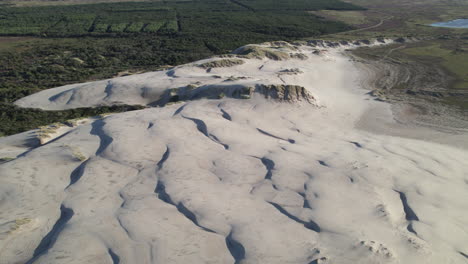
225,170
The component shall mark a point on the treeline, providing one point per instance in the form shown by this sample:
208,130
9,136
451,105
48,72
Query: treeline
14,119
298,5
156,17
46,63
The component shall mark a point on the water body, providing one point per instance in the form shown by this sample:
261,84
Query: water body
457,23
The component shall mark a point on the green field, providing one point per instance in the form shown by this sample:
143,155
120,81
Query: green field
349,17
454,61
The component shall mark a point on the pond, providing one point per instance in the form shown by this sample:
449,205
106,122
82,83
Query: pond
457,23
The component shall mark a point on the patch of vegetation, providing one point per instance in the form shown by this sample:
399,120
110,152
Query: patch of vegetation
303,5
44,132
76,153
348,17
258,52
14,119
6,159
292,71
235,78
18,223
454,59
221,63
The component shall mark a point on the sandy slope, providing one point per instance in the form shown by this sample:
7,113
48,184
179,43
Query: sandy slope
230,180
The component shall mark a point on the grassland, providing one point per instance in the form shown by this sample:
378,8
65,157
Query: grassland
44,46
454,59
349,17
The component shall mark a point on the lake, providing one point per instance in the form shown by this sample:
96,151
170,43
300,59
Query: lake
457,23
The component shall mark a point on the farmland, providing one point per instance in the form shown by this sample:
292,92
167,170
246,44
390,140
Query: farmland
166,17
93,19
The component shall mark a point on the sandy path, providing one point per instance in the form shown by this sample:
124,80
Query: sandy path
380,23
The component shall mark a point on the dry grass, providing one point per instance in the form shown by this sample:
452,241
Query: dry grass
258,52
6,159
76,153
222,63
18,223
45,132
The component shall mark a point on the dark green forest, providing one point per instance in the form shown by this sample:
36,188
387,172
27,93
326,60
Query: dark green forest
269,17
59,45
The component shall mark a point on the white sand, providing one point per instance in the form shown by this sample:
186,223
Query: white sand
234,181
